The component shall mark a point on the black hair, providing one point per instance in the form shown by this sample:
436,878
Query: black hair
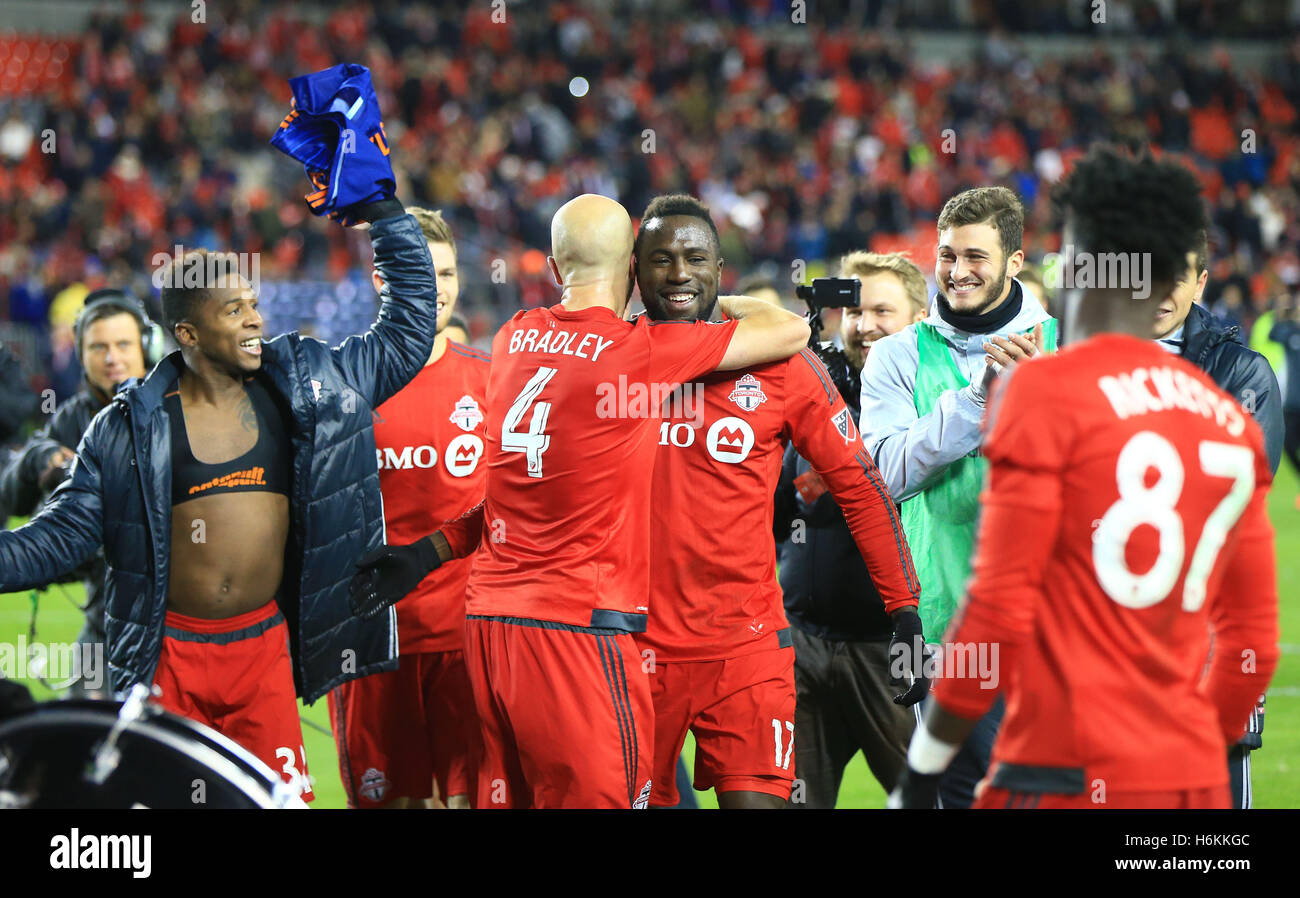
186,283
1121,202
680,204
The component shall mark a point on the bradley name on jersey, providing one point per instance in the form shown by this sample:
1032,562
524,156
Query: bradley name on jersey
558,342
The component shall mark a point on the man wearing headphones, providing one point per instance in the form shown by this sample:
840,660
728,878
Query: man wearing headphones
115,340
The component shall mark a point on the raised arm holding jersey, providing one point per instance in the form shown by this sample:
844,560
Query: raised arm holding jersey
233,488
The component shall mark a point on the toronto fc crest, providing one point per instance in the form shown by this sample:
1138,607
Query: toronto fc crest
466,415
748,394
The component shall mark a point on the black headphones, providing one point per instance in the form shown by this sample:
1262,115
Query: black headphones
113,298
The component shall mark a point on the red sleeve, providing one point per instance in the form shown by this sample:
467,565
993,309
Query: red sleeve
464,533
821,428
1020,517
683,350
1243,617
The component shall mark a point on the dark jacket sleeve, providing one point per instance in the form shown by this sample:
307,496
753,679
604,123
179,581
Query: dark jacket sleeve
1253,384
785,507
67,531
384,359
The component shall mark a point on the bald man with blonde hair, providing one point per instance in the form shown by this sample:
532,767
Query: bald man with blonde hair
562,578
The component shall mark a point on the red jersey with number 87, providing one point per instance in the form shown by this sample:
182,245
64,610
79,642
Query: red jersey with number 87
1123,521
575,403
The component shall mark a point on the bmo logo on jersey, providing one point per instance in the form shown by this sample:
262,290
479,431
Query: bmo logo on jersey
462,455
460,458
730,440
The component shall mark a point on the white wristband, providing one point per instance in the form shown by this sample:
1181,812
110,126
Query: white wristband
927,754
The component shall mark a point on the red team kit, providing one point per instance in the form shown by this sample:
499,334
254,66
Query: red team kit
581,657
430,440
723,661
1142,502
561,579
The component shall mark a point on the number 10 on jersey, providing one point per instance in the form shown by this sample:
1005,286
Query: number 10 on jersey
534,441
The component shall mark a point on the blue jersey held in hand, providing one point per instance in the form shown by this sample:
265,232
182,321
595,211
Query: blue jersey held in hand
336,131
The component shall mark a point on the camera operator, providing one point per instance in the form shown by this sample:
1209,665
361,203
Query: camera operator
840,629
114,338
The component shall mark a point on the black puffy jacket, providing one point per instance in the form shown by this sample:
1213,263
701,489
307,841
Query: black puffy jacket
119,492
1238,370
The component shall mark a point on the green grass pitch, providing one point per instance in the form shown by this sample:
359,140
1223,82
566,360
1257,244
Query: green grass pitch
1276,779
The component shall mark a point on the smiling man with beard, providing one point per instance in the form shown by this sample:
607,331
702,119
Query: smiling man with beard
923,394
719,646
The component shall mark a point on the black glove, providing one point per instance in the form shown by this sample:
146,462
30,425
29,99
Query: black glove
907,652
388,574
914,790
369,212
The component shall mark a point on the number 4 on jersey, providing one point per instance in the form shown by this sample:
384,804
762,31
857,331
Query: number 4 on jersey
534,441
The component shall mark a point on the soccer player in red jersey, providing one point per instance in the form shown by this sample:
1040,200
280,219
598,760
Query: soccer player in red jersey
562,578
1123,524
401,731
718,646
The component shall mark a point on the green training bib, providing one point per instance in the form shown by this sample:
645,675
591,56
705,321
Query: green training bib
940,520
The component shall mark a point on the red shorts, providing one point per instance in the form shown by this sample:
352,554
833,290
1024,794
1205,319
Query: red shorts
741,711
1182,799
400,730
235,676
566,715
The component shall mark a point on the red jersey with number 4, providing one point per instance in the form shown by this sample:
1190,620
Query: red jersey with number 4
713,587
429,446
1124,520
565,533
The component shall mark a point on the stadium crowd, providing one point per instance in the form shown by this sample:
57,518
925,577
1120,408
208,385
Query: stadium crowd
815,150
806,141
